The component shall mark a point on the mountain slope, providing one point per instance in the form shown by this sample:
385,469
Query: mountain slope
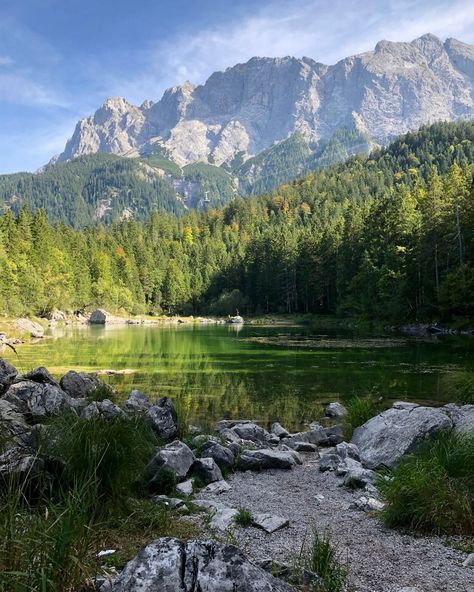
249,107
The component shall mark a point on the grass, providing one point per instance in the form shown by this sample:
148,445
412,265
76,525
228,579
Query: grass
50,542
433,490
359,410
243,517
324,560
459,387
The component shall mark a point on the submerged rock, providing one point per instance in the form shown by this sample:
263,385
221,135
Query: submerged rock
385,438
170,565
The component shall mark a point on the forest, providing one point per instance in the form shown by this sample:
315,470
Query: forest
389,235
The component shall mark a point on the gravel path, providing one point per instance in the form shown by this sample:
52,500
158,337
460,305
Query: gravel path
380,559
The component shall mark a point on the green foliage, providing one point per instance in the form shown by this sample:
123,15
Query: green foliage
108,456
323,559
433,490
389,235
164,481
459,387
243,517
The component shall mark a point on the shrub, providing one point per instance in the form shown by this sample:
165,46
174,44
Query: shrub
243,517
323,559
433,490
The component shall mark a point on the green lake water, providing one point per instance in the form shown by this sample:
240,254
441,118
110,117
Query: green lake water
215,371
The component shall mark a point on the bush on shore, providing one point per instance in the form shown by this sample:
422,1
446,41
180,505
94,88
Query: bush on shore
433,490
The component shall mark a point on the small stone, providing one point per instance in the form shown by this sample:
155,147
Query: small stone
268,522
336,410
172,502
217,487
207,470
278,430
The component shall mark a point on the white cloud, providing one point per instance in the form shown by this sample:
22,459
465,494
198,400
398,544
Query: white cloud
321,29
6,61
19,88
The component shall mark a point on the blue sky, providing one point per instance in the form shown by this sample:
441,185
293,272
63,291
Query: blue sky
59,59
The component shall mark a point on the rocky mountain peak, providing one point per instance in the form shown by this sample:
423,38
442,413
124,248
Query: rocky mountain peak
251,106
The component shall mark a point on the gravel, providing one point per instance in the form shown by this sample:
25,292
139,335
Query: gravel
379,559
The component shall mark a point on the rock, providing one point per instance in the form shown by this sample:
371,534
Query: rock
296,457
35,400
268,522
318,434
345,450
7,375
137,401
237,320
170,565
176,457
230,436
40,375
346,465
55,315
185,488
404,405
360,477
163,418
223,457
226,424
335,435
12,423
336,410
80,385
34,329
20,468
104,408
98,317
469,561
217,487
199,440
170,502
272,440
265,459
462,416
278,430
207,470
301,446
250,431
368,504
385,438
329,462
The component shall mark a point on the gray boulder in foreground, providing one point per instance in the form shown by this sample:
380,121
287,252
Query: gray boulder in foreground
36,400
385,438
176,457
170,565
80,385
462,416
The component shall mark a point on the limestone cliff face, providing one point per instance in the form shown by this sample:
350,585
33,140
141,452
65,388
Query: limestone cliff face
385,92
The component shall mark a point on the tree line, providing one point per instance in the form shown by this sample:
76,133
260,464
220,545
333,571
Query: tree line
388,235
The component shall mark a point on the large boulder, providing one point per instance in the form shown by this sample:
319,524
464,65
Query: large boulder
223,456
163,418
20,468
80,385
12,423
7,375
98,317
385,438
266,459
176,457
36,400
33,329
170,565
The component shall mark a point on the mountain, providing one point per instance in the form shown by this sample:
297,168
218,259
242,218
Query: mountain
248,108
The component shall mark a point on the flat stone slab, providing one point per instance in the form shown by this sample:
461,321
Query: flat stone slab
268,522
217,487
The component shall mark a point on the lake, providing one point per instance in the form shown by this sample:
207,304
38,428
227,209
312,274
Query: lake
225,371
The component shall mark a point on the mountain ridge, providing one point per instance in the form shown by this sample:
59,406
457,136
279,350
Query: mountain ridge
249,107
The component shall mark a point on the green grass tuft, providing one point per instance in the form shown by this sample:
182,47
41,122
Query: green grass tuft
243,517
433,490
459,387
324,560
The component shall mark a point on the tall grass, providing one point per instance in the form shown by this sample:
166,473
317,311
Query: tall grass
433,490
107,456
459,387
360,410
